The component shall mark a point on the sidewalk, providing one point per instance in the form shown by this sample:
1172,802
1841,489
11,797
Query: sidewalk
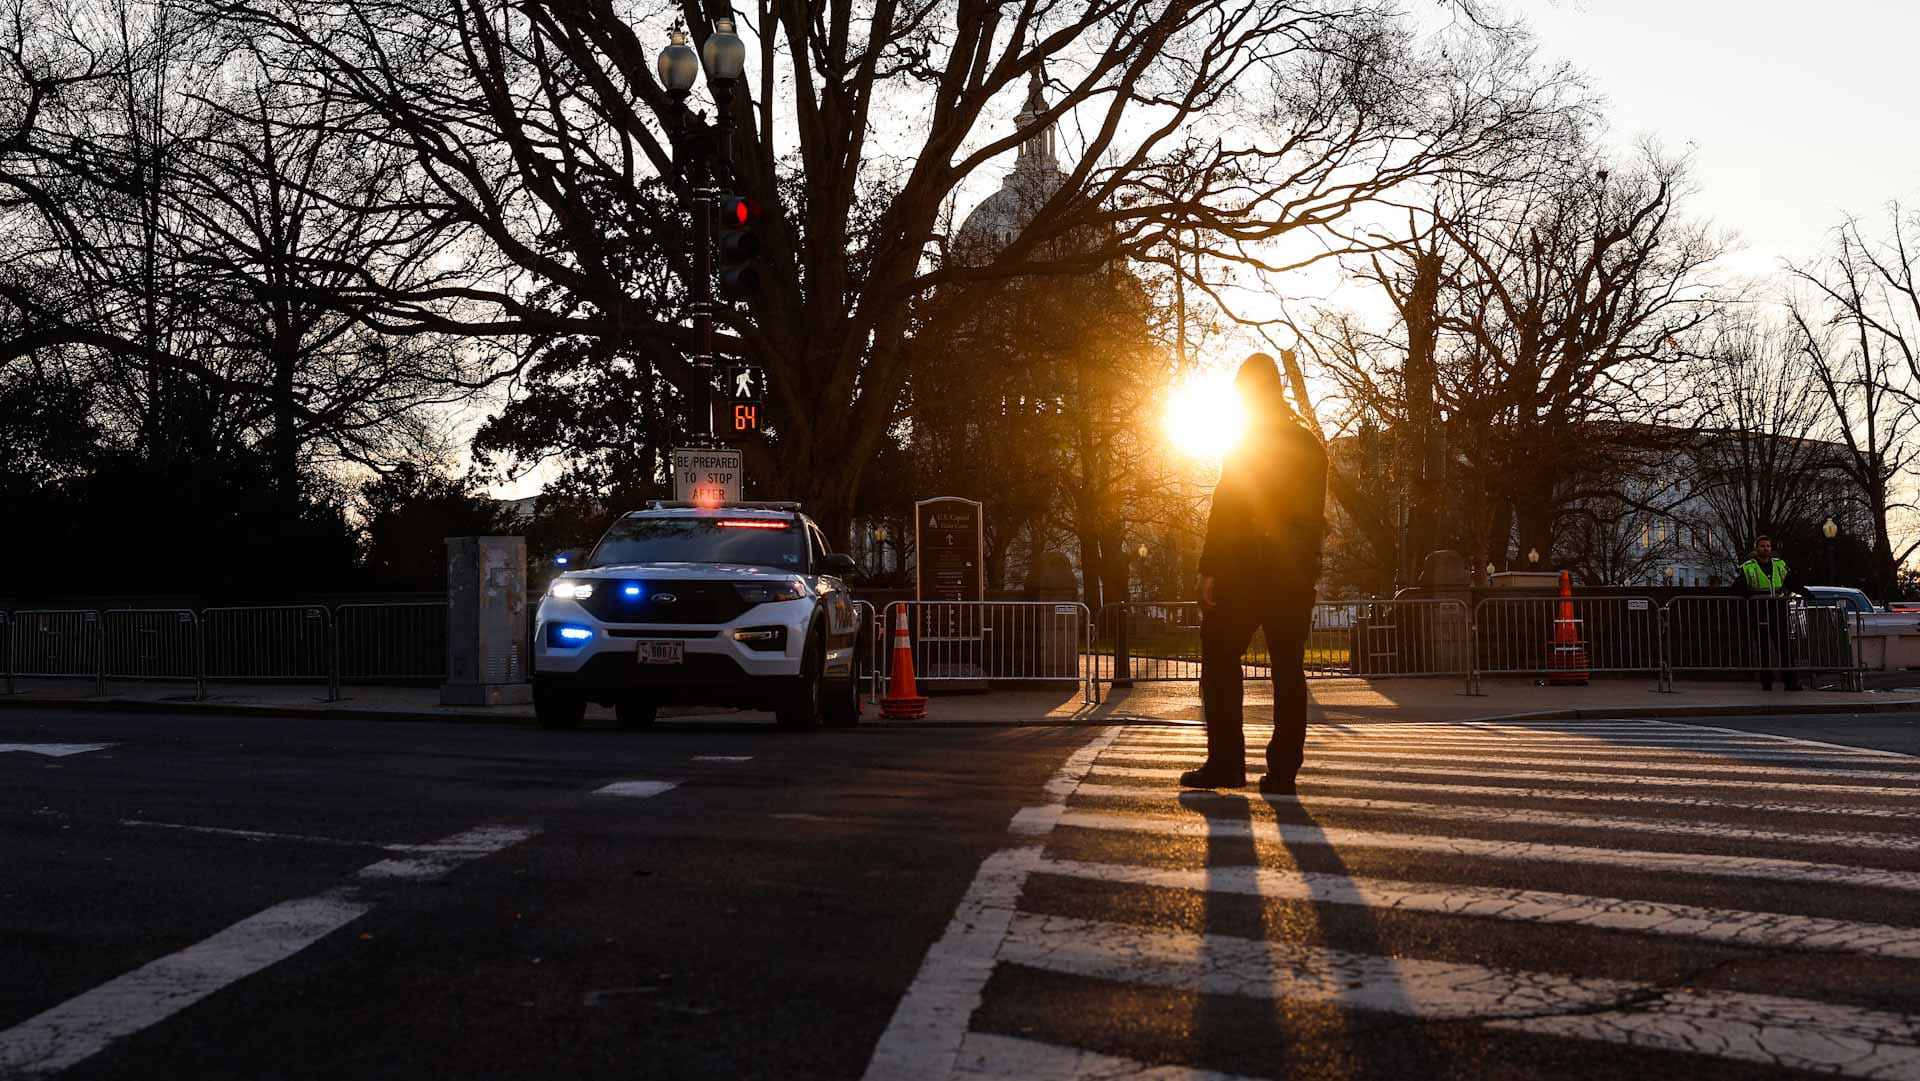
1335,701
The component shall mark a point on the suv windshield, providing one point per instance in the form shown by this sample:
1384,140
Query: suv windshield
766,542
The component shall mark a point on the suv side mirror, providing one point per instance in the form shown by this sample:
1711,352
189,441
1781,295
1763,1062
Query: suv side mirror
840,564
572,557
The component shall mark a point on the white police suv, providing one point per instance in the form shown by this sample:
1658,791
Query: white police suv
739,604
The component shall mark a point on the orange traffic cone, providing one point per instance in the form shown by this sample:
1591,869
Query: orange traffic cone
902,702
1567,653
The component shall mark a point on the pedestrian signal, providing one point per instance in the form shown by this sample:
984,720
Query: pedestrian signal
739,245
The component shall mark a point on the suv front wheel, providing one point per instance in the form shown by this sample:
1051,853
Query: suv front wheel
802,707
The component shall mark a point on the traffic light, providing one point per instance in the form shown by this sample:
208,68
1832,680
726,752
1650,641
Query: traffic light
739,244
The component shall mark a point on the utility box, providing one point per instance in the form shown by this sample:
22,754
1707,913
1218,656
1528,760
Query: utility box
486,622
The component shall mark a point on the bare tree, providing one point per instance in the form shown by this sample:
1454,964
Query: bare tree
1759,463
1858,324
860,123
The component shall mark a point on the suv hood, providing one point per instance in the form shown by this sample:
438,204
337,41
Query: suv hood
688,572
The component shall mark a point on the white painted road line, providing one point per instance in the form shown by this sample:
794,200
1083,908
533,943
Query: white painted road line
1472,848
264,835
1774,1030
1695,770
985,1057
53,750
1313,774
637,789
1508,816
923,1040
1767,930
84,1025
723,758
1314,782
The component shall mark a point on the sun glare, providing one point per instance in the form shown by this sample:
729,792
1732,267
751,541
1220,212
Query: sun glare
1205,418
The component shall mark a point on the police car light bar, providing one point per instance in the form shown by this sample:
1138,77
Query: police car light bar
681,504
753,523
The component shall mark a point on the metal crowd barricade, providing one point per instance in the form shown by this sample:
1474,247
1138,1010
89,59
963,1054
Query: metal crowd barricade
399,641
1398,638
275,644
1556,639
151,644
867,637
6,647
1154,642
1159,641
1748,635
974,641
56,643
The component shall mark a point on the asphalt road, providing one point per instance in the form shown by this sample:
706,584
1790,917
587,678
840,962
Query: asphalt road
190,895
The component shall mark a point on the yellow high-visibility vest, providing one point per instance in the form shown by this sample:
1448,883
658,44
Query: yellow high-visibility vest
1760,581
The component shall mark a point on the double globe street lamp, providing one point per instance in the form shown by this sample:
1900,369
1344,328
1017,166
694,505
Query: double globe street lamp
703,155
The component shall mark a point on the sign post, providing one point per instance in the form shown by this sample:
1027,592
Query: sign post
949,544
706,475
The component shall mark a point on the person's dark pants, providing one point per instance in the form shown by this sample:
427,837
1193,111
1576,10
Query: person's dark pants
1775,636
1225,632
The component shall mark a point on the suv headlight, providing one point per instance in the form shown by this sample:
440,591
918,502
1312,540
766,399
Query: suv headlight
768,592
571,589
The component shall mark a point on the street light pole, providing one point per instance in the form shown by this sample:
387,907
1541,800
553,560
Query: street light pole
724,57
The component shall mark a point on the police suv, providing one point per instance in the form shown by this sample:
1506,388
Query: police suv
735,604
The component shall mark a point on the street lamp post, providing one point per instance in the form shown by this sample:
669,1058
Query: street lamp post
701,154
1830,530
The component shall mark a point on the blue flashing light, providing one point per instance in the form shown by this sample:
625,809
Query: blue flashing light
631,589
561,560
575,634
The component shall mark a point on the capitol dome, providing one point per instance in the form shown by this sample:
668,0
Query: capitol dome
1036,176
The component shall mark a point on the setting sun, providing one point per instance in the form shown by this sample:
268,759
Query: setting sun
1204,417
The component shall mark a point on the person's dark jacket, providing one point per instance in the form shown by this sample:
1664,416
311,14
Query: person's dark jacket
1789,584
1269,512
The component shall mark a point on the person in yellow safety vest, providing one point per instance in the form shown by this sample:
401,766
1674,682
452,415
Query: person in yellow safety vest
1768,581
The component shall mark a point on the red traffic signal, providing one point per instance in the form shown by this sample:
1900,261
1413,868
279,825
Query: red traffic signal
739,244
739,212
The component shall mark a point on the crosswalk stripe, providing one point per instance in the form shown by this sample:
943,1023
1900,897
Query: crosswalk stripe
1845,1040
1316,781
1507,752
1011,1058
1769,930
1804,740
1449,761
1686,863
1316,772
923,1038
1453,812
1636,744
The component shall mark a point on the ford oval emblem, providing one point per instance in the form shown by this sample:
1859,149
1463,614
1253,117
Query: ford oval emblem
664,598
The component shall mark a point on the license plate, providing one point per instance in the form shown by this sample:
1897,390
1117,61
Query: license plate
662,652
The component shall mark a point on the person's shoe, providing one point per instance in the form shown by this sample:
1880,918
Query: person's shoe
1275,785
1209,777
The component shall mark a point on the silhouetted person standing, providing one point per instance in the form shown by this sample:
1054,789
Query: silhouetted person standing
1769,581
1258,569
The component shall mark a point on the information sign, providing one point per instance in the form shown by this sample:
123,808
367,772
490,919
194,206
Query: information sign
706,475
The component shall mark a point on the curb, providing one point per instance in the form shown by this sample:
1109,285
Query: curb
336,711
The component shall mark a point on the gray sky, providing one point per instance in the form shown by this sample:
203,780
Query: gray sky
1796,112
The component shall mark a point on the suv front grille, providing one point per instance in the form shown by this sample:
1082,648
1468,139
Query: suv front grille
694,602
